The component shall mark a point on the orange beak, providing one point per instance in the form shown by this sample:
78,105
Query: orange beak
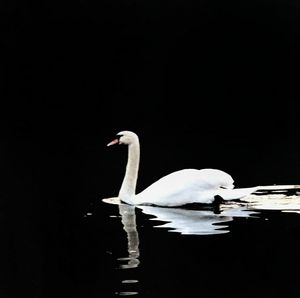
113,142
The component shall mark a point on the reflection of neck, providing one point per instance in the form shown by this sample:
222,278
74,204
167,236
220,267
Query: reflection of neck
127,191
129,222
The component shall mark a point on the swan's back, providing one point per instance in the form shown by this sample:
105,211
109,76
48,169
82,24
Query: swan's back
185,186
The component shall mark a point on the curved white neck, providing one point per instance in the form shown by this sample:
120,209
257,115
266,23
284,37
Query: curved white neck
127,191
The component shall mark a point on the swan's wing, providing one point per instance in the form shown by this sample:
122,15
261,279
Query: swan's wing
170,190
185,186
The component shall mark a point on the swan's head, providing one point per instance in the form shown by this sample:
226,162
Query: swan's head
124,137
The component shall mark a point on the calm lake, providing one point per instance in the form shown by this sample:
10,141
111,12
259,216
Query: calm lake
60,239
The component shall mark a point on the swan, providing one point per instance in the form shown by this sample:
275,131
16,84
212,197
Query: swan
179,188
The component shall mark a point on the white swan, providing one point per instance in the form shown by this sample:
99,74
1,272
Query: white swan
178,188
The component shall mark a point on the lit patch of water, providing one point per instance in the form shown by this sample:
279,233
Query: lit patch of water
280,202
129,281
126,293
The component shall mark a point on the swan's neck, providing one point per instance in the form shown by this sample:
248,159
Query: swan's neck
127,191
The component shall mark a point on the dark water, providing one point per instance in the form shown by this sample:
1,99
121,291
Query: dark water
60,239
210,84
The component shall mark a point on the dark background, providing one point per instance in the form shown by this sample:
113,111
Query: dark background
224,68
204,84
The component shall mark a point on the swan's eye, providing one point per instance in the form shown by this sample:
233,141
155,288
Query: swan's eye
119,139
119,136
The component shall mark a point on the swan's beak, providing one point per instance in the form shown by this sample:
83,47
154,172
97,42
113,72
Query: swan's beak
113,142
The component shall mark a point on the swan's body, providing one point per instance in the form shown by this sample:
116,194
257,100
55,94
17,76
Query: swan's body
178,188
190,186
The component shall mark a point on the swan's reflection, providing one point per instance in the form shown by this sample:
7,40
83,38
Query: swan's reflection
181,220
128,219
204,222
195,222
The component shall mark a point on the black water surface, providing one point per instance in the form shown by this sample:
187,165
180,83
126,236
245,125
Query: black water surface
60,239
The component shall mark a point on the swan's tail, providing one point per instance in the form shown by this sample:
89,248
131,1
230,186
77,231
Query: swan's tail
238,193
279,187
